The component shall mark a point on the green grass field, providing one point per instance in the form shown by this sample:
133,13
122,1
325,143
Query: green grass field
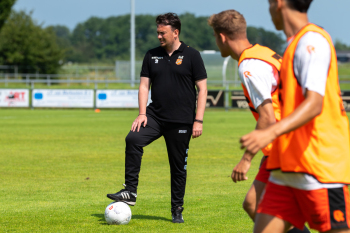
58,165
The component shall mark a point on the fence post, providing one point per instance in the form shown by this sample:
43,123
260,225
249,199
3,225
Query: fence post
116,69
68,81
48,80
106,83
31,94
226,97
16,72
27,80
5,80
95,93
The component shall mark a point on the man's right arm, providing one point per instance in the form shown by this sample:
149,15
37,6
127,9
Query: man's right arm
145,82
266,118
258,86
143,98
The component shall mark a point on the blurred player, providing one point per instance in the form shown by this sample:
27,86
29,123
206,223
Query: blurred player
259,69
310,157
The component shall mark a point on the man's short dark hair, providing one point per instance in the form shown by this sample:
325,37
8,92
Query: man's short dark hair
169,19
300,5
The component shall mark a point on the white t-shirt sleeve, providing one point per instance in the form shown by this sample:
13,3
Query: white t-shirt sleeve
259,78
311,62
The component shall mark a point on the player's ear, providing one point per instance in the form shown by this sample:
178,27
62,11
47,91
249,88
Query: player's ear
281,3
223,38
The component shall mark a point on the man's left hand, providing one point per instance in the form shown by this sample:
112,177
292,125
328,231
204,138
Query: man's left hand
197,129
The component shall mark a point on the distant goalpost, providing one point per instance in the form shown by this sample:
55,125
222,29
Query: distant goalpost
221,71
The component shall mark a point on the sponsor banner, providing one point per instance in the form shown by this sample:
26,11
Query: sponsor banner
118,99
238,100
60,98
215,99
14,98
345,95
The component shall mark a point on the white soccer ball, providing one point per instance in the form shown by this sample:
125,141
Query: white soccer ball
118,213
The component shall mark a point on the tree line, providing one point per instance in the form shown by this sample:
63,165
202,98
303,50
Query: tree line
108,39
33,48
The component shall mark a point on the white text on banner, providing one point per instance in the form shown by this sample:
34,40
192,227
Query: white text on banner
118,99
60,98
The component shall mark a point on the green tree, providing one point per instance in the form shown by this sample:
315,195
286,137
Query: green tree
26,44
99,39
63,40
266,38
5,10
196,32
340,46
103,39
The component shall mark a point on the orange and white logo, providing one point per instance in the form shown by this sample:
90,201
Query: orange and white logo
110,208
247,74
310,49
179,60
338,216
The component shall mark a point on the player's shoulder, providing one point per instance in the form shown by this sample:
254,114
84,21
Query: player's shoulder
254,65
312,38
312,43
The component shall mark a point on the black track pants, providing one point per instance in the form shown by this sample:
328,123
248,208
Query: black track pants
177,137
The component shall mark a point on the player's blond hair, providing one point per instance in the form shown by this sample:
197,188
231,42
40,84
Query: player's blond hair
230,23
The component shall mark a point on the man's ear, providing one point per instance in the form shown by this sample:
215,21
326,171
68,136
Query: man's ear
176,33
223,38
281,3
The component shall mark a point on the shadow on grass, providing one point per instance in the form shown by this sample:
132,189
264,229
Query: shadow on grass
101,218
147,217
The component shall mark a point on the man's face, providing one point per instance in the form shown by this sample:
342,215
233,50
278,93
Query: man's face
166,35
276,14
221,45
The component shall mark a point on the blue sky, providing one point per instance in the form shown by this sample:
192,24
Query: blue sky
330,14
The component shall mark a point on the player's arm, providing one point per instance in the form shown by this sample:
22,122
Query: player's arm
307,110
143,98
266,118
266,115
258,85
201,102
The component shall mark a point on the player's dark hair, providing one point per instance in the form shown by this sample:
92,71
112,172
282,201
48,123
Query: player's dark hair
300,5
170,19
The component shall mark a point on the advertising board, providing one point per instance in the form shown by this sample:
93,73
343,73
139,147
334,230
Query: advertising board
14,98
215,99
60,98
118,99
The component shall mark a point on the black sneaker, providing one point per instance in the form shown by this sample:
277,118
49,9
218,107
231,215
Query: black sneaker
177,214
124,196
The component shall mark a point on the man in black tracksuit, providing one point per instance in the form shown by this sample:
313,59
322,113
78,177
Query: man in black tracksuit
173,71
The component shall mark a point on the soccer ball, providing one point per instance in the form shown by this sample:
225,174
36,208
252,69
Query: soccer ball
118,213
